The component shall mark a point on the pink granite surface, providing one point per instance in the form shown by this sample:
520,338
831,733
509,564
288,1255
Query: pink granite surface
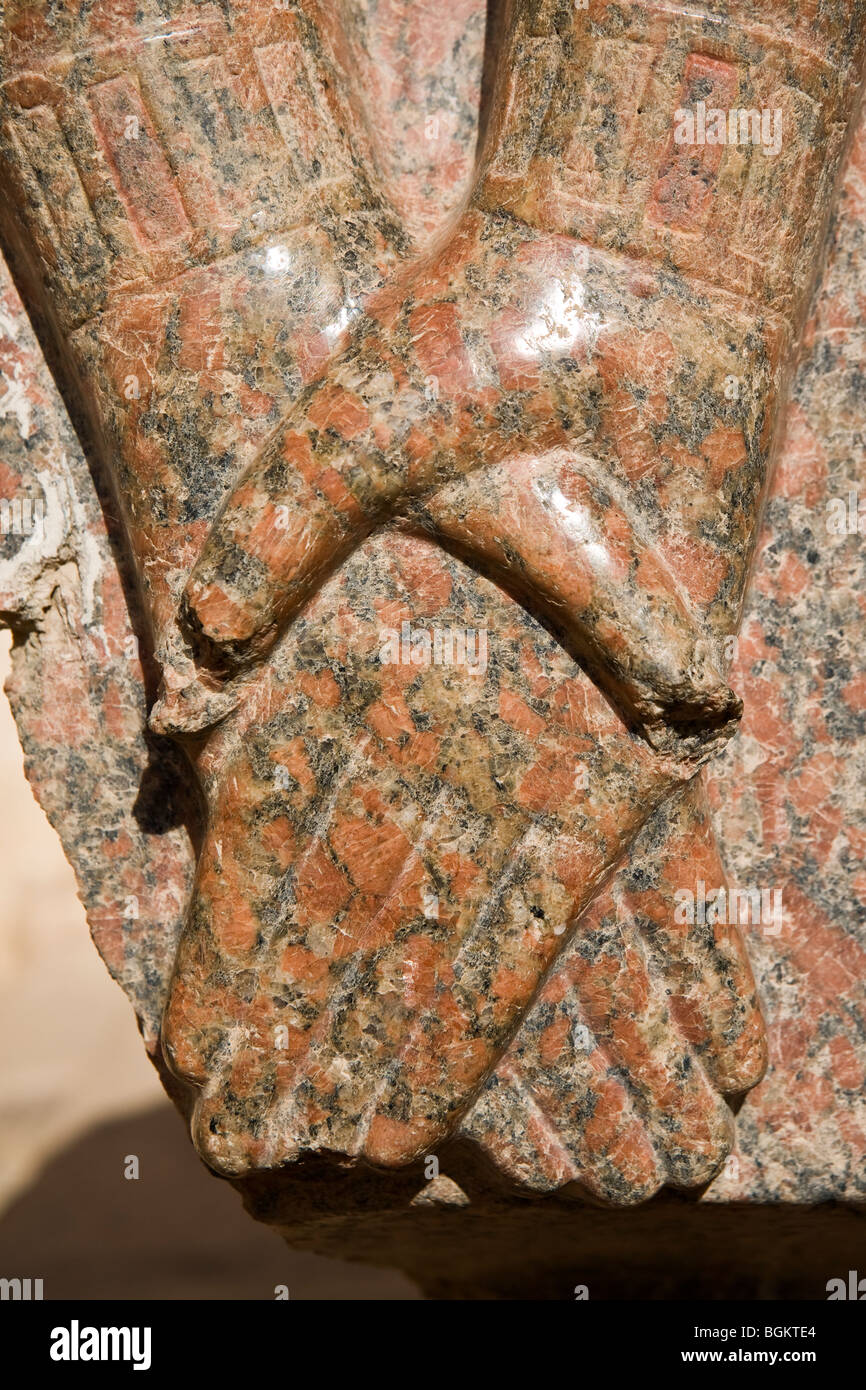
614,1079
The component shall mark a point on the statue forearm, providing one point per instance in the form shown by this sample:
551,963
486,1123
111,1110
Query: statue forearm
611,123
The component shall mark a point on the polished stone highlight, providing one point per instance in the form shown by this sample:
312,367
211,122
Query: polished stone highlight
336,383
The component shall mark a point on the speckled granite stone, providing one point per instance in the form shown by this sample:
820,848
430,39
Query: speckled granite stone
380,950
114,793
788,795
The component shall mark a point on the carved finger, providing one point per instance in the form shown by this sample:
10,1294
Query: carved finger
557,1071
676,890
554,534
625,1006
572,1123
324,481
